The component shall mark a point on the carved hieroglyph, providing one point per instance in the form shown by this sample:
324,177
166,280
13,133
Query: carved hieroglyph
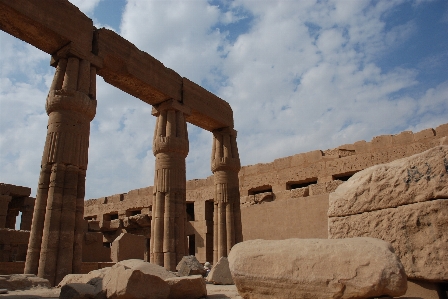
56,234
227,215
170,147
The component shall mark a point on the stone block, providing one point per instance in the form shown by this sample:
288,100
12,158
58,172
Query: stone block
418,233
208,111
316,268
48,25
78,291
403,138
128,246
189,265
220,273
381,142
134,71
442,130
424,134
123,282
191,287
418,178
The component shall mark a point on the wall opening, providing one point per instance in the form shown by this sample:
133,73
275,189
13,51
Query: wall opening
133,212
190,211
344,176
260,189
300,184
209,210
191,244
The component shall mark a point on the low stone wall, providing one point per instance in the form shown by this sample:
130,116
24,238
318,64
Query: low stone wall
7,268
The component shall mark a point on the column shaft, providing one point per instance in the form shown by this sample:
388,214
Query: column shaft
170,147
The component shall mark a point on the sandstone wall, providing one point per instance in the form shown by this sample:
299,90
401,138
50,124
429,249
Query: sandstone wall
287,198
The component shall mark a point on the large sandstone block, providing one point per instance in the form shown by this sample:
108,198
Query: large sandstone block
316,268
136,279
128,246
418,233
418,178
191,287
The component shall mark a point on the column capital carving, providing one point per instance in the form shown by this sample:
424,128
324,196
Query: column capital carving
171,136
71,101
225,155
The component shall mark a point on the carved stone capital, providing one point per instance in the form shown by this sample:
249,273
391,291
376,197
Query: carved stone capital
74,101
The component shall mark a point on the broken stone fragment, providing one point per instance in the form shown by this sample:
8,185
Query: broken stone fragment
220,273
189,265
316,268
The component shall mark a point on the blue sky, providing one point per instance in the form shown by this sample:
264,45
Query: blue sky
299,75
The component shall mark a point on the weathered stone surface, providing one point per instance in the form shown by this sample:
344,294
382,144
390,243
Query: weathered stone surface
220,273
419,178
418,233
316,268
147,268
189,265
127,246
191,287
90,278
122,282
79,291
22,282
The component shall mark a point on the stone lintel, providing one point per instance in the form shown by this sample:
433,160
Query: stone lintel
46,24
208,110
13,190
170,104
135,71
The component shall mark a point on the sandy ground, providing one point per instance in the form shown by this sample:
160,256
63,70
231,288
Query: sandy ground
213,291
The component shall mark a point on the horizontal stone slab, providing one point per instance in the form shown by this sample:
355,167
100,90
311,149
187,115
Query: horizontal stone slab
421,177
316,268
418,233
48,25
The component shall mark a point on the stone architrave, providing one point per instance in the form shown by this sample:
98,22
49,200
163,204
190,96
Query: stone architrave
316,268
170,147
56,233
225,161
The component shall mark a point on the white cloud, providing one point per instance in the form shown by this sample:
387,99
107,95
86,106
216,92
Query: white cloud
301,75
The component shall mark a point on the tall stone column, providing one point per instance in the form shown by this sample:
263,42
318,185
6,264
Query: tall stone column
168,242
54,248
227,230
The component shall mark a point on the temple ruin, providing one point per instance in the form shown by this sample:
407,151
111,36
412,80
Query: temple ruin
287,198
79,52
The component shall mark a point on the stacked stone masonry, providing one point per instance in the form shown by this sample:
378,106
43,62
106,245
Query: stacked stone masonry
287,198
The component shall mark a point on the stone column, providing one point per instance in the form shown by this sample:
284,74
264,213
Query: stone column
227,229
168,239
54,246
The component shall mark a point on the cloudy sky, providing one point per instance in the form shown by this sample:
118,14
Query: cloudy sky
299,75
